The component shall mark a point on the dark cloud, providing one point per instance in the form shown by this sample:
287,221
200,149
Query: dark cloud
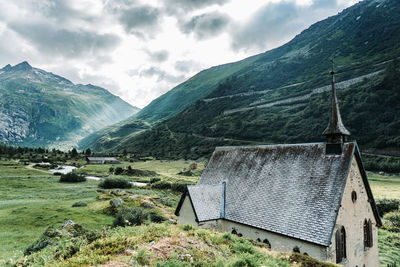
158,56
186,65
61,42
141,20
161,75
207,25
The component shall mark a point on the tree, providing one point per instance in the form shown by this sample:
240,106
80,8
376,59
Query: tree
74,152
88,152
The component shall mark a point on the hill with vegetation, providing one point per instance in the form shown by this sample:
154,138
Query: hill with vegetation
282,96
38,108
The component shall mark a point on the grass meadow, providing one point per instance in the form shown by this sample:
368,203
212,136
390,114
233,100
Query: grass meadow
32,200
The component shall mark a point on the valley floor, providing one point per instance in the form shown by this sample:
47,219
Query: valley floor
31,200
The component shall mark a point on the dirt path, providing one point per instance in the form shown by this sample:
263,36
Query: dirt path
30,167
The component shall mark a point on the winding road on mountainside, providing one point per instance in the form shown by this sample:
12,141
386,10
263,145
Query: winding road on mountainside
257,104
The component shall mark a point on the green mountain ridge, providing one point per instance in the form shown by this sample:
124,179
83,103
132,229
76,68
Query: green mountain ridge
362,39
38,108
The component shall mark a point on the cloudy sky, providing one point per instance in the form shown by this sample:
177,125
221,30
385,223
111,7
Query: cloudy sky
140,49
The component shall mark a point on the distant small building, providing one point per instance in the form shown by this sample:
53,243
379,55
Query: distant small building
102,160
309,198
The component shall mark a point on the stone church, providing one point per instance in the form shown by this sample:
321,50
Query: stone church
309,198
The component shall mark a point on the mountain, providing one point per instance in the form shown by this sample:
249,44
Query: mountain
282,95
38,108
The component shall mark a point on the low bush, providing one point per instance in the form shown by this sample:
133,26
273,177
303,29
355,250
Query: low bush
118,170
307,261
392,219
72,178
140,173
136,216
386,205
179,187
114,183
161,185
154,180
79,204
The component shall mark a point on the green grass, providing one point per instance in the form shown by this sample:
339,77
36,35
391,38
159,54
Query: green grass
168,170
384,186
167,245
31,200
389,247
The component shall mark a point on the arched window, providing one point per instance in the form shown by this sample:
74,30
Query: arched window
340,244
266,242
367,234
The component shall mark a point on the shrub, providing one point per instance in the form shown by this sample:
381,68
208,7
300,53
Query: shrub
155,217
79,204
40,244
307,261
115,183
136,216
118,170
187,227
387,205
179,187
130,216
393,219
72,178
161,185
154,180
137,172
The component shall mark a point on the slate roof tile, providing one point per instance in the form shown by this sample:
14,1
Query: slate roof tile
294,190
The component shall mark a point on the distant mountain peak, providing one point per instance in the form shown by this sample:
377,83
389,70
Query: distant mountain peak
22,66
7,67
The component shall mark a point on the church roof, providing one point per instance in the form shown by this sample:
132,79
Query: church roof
293,190
207,201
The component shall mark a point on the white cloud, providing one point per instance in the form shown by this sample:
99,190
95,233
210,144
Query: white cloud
139,49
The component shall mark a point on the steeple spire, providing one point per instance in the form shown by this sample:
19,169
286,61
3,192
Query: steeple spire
335,132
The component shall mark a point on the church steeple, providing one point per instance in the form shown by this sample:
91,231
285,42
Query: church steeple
335,133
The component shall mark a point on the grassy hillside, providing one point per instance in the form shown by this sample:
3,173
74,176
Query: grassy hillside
357,38
261,99
38,108
369,109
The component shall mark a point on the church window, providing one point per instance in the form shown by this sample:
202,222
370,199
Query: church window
266,242
353,196
340,244
367,234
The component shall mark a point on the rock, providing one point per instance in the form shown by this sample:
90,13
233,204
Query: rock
147,205
117,192
152,243
116,202
68,223
130,252
133,196
172,220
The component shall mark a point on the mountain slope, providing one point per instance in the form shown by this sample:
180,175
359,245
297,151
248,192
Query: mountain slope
38,108
271,96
